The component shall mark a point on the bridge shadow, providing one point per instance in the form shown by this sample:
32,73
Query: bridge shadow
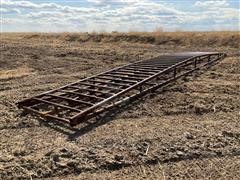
73,133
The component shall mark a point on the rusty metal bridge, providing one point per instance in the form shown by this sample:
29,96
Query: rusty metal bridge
86,98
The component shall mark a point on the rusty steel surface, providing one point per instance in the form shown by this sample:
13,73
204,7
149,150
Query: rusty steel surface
86,98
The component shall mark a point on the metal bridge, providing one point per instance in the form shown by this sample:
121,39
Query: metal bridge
89,97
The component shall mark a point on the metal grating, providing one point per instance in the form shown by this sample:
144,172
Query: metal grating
91,96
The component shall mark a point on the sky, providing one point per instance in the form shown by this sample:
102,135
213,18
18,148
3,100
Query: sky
118,15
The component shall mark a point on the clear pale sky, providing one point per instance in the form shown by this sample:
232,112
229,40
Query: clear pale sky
118,15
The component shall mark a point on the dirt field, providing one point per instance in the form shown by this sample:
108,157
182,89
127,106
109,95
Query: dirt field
189,130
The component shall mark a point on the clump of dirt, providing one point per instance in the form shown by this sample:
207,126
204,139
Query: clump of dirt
63,161
60,162
199,108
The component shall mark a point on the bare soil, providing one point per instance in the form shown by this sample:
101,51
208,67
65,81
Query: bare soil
189,130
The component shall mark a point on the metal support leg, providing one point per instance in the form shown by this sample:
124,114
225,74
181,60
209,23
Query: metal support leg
209,58
195,63
174,72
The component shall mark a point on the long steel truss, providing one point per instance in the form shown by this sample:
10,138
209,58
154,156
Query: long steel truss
86,98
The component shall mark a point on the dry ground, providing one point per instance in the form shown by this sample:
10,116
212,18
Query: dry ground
189,130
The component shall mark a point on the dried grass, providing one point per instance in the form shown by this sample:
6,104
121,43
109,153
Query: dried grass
200,39
15,73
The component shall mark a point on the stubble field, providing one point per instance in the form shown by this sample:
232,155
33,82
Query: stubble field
189,130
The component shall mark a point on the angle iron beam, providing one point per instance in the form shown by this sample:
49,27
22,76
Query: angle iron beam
147,68
83,95
92,90
108,83
29,109
123,77
151,67
136,72
142,69
69,99
160,63
129,74
99,86
116,79
56,104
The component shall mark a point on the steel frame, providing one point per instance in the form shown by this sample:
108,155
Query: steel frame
86,98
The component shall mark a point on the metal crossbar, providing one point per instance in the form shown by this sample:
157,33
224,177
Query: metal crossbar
86,98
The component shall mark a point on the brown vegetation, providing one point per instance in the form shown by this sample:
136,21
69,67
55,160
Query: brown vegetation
201,39
15,73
